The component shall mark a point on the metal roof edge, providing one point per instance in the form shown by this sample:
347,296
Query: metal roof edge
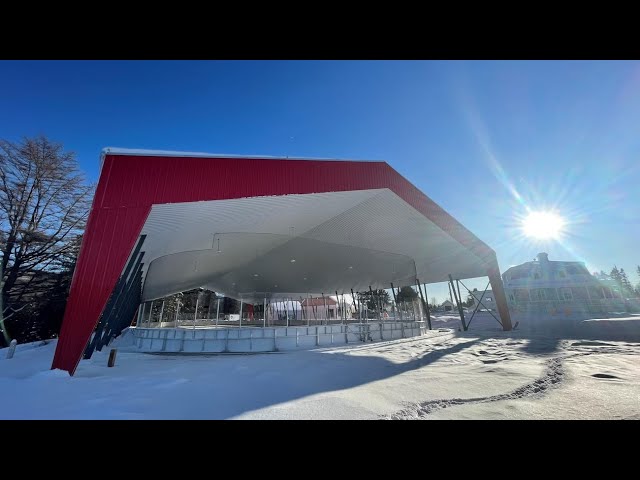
159,153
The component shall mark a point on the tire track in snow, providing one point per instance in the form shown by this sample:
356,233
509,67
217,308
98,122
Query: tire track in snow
551,378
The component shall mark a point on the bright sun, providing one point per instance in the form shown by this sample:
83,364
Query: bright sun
543,225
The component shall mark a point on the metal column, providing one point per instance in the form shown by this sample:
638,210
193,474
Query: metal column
161,312
501,299
325,309
195,314
424,303
150,314
464,327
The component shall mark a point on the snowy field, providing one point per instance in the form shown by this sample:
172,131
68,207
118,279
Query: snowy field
479,374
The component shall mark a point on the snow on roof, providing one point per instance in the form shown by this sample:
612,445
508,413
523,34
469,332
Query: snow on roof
172,153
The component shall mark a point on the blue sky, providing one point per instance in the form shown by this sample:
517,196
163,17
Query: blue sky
485,139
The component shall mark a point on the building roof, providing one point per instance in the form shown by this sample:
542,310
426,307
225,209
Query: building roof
140,152
550,266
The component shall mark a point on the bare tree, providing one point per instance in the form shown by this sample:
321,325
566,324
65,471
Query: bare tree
44,203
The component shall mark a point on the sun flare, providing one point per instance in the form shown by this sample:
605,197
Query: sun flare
543,225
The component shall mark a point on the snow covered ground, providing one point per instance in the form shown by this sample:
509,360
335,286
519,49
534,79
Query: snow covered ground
479,374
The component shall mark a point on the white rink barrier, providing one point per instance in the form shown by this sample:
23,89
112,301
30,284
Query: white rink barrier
267,339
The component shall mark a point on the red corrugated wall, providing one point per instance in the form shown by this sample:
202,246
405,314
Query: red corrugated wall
129,185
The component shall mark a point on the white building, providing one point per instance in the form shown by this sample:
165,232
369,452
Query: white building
488,302
320,308
548,285
448,306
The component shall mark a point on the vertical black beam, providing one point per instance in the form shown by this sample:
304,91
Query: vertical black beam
459,295
125,314
104,318
113,298
302,308
112,319
426,297
130,304
395,302
373,297
112,328
356,301
464,327
425,305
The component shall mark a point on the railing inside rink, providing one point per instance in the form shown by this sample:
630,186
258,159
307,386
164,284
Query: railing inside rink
269,339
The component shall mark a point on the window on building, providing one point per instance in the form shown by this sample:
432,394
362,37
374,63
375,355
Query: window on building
538,295
596,292
536,275
511,297
565,294
562,274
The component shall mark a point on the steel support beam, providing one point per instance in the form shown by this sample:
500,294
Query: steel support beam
425,305
501,299
459,303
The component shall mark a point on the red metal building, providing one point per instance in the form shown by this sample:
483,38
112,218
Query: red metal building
251,227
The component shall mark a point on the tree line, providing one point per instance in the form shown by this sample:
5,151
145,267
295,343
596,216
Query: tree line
619,276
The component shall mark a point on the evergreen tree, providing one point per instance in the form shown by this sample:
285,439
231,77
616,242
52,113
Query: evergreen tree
615,276
405,298
407,294
625,284
373,299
